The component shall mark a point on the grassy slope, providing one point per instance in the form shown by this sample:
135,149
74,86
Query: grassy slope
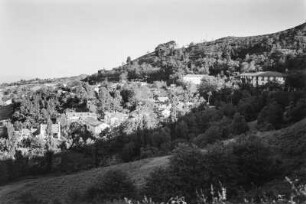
49,188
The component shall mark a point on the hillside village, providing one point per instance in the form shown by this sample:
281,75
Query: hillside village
193,103
111,120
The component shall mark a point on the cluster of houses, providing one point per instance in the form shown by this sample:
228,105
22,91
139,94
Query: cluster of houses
90,120
114,119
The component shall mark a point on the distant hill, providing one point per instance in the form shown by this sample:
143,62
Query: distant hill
43,81
12,78
281,51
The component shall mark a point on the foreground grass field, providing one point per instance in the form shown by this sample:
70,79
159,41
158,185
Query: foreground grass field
50,188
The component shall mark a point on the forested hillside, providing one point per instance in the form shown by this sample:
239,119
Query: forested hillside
282,51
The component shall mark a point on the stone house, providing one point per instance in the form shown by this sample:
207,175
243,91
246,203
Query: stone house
94,126
25,133
55,130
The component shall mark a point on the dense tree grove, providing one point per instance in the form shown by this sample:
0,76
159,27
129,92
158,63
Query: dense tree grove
242,166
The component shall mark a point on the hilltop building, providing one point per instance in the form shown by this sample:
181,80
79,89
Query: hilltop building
75,116
193,78
262,78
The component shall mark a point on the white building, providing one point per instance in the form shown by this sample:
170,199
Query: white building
262,78
162,99
193,78
114,119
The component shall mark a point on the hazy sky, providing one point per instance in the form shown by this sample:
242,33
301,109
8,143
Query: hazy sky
52,38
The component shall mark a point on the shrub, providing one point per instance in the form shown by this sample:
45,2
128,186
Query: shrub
113,185
299,111
4,176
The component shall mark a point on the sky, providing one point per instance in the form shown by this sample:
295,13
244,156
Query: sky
57,38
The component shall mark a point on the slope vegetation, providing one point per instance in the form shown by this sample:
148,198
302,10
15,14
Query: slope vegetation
59,187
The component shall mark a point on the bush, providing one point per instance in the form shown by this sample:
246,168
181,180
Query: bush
113,185
4,176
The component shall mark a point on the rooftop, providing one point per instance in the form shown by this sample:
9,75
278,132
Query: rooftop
194,75
92,121
265,74
55,127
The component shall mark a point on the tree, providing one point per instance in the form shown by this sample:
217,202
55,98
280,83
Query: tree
49,128
255,162
296,80
105,100
271,116
209,85
123,76
211,135
181,130
128,60
239,125
161,138
182,178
